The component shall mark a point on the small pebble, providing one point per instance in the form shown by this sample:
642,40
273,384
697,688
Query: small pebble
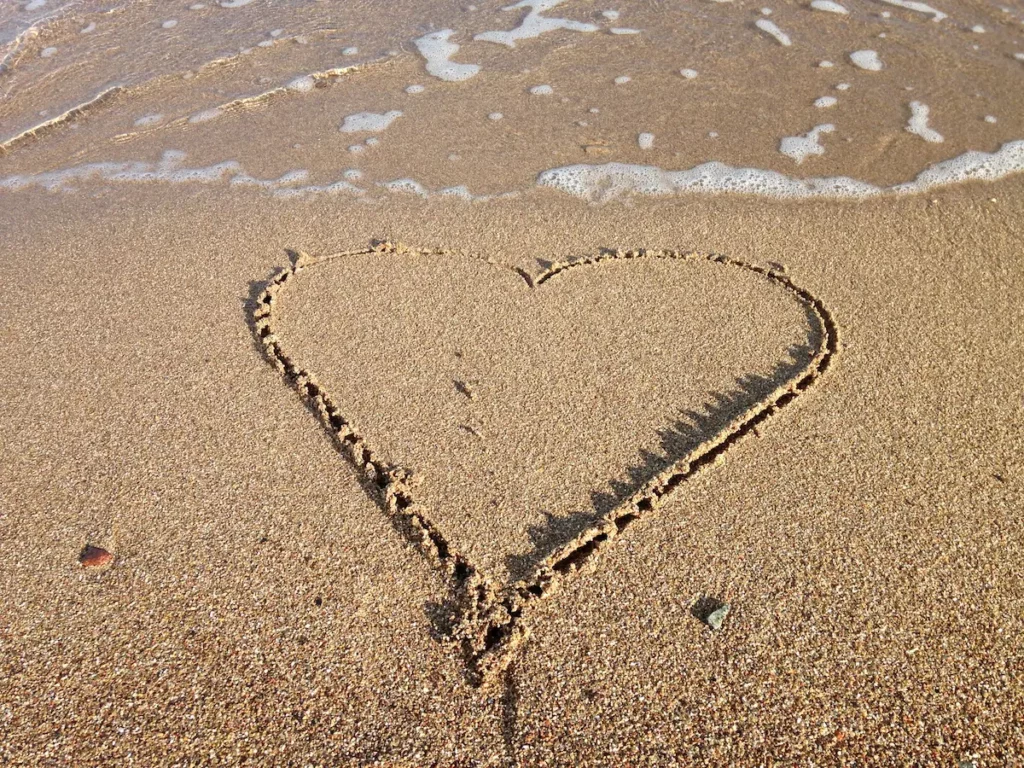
717,617
95,557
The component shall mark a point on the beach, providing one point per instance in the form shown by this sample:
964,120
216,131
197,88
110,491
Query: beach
271,601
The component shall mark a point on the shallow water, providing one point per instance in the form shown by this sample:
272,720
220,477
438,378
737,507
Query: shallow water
477,100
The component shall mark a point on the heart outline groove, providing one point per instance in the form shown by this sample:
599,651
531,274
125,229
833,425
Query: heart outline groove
490,622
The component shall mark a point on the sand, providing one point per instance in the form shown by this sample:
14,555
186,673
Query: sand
262,605
820,399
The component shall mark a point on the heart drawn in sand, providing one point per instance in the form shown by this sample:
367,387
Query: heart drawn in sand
512,426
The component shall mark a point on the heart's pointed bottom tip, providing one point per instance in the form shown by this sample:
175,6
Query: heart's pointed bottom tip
95,557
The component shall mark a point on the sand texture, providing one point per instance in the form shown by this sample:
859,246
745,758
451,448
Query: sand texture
557,384
261,603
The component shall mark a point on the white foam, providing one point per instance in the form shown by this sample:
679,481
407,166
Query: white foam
689,74
801,147
495,116
410,186
912,5
843,87
624,31
233,3
414,88
197,6
770,28
1019,56
600,183
334,188
371,141
350,51
990,119
978,29
146,120
168,169
34,5
357,149
533,24
302,84
541,90
353,174
622,79
867,60
645,140
206,115
918,123
91,26
610,15
369,121
828,6
48,52
823,102
169,24
437,51
287,180
825,64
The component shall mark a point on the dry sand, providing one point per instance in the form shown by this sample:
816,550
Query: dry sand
261,607
279,591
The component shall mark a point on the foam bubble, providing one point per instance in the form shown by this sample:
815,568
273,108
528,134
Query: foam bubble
622,79
369,121
48,52
91,26
206,115
825,64
823,102
912,5
437,51
350,51
357,149
533,24
541,90
169,24
990,119
645,140
353,174
197,6
770,28
610,15
146,120
624,31
843,87
302,84
410,186
978,29
495,116
867,60
918,123
233,3
415,88
689,74
828,6
801,147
